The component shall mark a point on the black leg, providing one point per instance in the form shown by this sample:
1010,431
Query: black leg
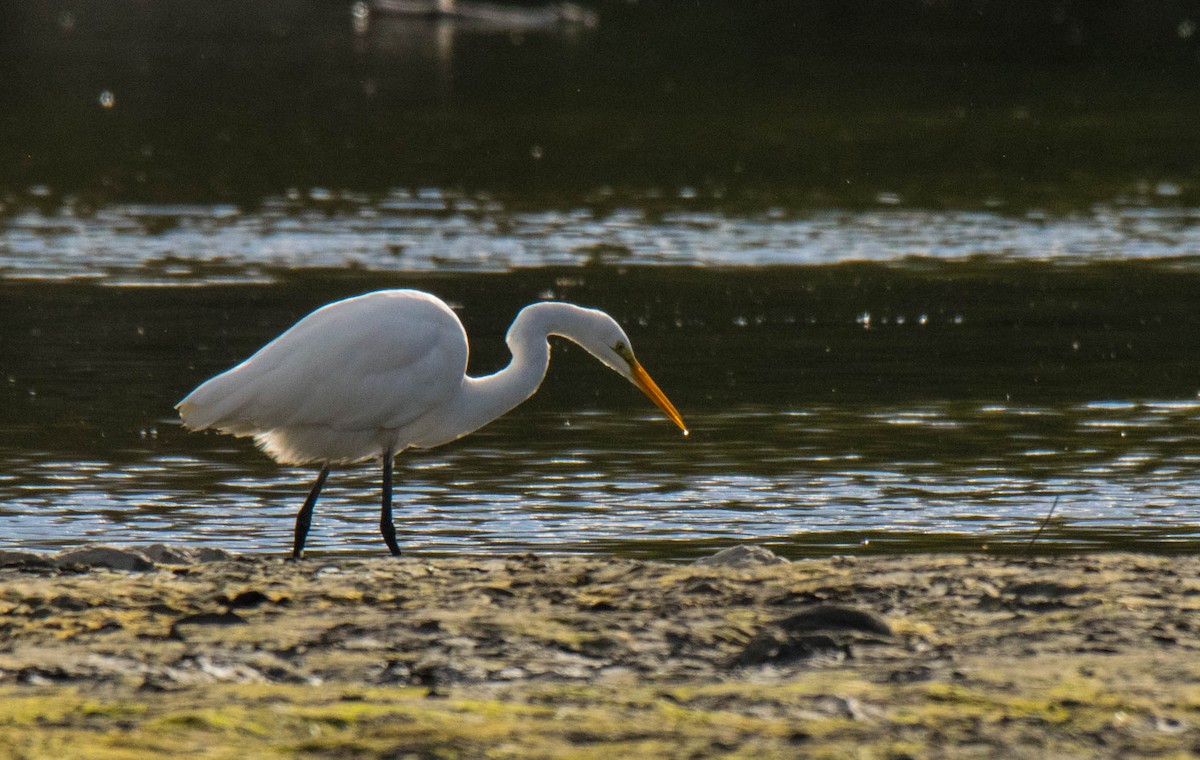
304,516
386,526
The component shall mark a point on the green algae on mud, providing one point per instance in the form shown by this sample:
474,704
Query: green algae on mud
1084,656
841,716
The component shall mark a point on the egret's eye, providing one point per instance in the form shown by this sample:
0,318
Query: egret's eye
623,351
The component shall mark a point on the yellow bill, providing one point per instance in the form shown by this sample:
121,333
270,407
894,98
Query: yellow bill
642,380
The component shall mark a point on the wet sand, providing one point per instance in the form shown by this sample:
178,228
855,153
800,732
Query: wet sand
535,656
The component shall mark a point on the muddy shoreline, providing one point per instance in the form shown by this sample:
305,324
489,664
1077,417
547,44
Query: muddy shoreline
528,656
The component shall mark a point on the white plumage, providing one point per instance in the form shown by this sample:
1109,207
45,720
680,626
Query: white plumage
370,376
343,383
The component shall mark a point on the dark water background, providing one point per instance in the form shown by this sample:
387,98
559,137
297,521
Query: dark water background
911,272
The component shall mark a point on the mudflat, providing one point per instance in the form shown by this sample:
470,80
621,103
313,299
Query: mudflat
188,653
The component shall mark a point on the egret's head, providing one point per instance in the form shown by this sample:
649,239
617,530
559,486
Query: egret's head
605,340
600,336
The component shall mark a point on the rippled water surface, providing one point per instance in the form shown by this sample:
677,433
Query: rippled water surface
435,231
913,272
601,481
916,403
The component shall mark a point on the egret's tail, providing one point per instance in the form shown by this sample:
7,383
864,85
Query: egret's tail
217,403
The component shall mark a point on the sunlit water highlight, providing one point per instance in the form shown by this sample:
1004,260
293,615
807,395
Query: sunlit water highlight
438,231
1122,473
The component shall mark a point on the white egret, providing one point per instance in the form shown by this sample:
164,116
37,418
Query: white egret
370,376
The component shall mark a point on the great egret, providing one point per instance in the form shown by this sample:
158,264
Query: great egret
373,375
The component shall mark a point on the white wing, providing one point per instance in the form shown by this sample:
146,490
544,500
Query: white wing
377,362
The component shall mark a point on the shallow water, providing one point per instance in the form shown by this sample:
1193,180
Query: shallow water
911,272
915,404
605,481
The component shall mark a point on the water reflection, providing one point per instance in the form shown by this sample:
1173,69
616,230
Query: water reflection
769,103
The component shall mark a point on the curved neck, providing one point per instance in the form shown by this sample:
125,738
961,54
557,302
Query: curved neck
486,398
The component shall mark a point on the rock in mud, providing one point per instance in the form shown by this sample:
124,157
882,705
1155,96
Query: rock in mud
185,555
775,646
821,629
836,617
742,556
109,557
15,558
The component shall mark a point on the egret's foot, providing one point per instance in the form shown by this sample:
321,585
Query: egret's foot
389,537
